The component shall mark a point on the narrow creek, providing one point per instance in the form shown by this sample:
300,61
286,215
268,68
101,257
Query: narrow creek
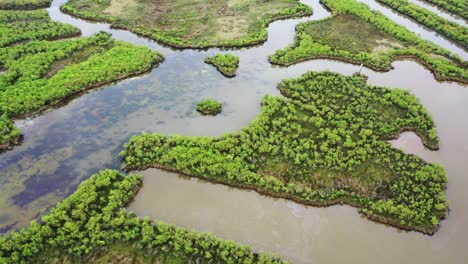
64,146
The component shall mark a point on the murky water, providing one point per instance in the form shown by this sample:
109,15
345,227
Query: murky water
64,146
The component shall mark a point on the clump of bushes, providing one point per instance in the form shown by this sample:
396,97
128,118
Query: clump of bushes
40,73
227,64
9,134
209,107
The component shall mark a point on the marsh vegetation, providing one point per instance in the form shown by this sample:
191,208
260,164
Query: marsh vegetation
431,20
227,64
209,107
324,144
92,224
39,72
192,23
458,7
24,4
357,35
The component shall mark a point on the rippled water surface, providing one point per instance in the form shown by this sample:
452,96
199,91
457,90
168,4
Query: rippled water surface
64,146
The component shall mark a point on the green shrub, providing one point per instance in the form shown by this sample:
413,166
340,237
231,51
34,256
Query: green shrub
209,107
440,61
227,64
40,73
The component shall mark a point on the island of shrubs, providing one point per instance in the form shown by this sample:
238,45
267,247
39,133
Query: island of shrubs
39,73
227,64
209,107
325,144
93,221
388,42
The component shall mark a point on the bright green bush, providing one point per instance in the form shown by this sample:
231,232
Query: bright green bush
94,218
227,64
9,134
209,107
24,4
458,7
324,144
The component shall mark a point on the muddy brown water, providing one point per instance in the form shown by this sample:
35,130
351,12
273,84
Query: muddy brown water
64,146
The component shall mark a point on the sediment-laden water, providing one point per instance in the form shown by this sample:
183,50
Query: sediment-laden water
64,146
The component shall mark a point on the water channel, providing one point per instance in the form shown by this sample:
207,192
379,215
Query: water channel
64,146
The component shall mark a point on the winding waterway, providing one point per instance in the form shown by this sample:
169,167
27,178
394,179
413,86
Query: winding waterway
64,146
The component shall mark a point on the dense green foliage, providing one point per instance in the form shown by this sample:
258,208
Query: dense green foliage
21,26
458,7
209,107
7,16
94,219
227,64
26,88
323,145
431,20
24,4
398,42
192,23
41,74
9,134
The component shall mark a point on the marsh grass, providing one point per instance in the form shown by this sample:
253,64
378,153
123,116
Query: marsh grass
355,34
191,23
348,32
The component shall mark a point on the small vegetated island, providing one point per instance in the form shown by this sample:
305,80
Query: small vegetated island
191,23
322,145
227,64
93,226
42,65
356,34
209,107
